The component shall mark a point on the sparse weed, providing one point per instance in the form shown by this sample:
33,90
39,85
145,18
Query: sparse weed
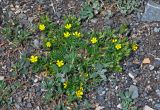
127,6
127,101
15,33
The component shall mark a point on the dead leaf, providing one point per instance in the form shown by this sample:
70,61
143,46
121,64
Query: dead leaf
146,61
98,107
39,8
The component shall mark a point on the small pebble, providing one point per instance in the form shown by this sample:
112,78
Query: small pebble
1,78
94,20
17,106
151,67
36,80
131,75
29,105
36,43
158,92
119,106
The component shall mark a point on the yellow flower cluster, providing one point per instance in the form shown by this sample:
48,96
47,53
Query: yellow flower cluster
79,92
94,40
60,63
42,27
118,46
33,59
134,47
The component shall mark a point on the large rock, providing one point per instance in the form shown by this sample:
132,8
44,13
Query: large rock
152,12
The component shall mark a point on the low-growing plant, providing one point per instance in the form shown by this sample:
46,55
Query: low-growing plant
15,32
21,66
2,97
127,101
6,91
60,106
127,6
76,60
88,9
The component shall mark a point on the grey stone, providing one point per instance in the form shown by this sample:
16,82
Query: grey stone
37,108
19,99
108,22
24,22
156,29
134,91
30,19
156,63
1,78
36,43
152,12
132,75
17,12
38,89
17,106
22,16
146,107
94,20
119,106
151,67
29,105
101,91
157,106
158,92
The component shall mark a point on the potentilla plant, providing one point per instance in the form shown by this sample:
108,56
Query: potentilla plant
77,60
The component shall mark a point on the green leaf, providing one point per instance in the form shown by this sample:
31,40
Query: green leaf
66,68
86,12
102,74
55,68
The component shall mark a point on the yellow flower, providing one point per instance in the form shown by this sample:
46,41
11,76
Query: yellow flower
79,93
77,34
68,26
48,44
65,85
42,27
81,88
86,74
94,40
66,34
118,46
33,59
60,63
114,40
134,47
